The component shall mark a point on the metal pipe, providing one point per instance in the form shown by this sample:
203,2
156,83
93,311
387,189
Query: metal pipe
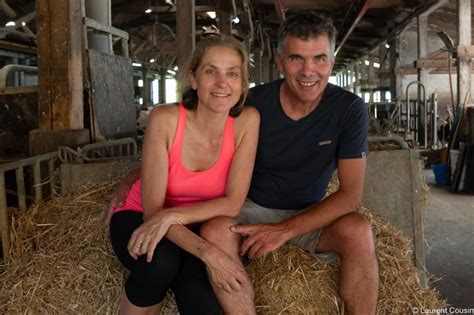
394,138
361,13
20,187
434,121
408,105
37,182
98,10
8,68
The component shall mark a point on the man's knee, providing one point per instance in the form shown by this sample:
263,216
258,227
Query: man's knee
354,231
218,229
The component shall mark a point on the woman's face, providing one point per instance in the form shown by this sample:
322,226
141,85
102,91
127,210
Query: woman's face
218,79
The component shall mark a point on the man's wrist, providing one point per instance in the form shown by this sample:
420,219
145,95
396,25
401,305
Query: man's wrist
289,230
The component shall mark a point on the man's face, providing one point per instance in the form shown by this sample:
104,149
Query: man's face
306,65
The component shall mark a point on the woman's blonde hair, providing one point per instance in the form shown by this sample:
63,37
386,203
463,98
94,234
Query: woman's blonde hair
188,95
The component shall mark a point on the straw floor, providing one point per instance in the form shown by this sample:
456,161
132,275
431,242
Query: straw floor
61,262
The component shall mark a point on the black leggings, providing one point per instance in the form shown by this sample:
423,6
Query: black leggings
171,267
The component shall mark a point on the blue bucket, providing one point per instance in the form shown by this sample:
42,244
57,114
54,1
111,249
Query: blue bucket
442,174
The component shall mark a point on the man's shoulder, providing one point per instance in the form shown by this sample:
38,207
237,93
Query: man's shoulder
336,92
261,92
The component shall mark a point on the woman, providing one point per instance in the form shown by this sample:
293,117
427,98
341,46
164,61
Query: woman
197,163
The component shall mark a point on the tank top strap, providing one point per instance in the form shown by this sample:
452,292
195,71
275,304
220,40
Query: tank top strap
228,141
175,150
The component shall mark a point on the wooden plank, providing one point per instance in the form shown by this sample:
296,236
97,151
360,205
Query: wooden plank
37,182
112,105
4,225
469,177
101,27
19,90
398,199
51,176
433,63
140,8
44,64
224,17
60,65
20,188
185,30
418,214
459,169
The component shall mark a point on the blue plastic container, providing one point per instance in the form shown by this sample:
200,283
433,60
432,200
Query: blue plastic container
442,174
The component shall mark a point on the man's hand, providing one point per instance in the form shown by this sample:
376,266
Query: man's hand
224,271
260,239
118,199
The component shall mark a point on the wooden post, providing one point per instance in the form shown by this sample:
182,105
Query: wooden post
185,30
423,77
60,95
4,225
145,86
464,39
224,17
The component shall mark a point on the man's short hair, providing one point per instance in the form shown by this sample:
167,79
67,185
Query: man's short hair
305,25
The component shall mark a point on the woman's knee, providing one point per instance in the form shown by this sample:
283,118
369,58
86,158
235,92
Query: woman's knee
163,267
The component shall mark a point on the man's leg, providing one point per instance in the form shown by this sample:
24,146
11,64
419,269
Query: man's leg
351,236
217,231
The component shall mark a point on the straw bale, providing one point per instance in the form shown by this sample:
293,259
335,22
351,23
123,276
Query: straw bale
292,282
62,263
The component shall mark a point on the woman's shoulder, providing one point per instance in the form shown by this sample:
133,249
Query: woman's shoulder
249,114
247,122
165,112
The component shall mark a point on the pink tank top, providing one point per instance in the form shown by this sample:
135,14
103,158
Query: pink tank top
186,187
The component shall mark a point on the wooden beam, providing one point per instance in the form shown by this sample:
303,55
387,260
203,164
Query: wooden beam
18,89
433,63
224,18
140,8
185,30
17,48
60,81
101,27
465,51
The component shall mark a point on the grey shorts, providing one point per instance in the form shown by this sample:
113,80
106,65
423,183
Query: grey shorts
252,213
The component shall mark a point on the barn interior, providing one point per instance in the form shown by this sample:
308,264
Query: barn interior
79,78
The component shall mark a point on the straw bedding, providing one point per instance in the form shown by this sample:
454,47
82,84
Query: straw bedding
62,263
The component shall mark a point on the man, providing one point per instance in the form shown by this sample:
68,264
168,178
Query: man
308,129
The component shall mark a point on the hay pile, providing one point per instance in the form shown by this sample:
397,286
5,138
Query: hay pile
291,280
61,262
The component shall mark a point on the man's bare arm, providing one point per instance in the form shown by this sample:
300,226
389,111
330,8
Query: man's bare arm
121,192
264,238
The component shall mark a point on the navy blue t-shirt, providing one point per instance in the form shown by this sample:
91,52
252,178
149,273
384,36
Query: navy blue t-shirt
295,159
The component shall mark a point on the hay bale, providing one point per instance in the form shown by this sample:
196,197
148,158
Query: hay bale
61,262
290,280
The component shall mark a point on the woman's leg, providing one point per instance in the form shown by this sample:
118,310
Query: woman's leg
148,282
192,289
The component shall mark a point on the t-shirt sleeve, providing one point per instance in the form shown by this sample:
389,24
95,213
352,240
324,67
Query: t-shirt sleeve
353,141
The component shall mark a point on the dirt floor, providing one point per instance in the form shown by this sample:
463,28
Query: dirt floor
449,235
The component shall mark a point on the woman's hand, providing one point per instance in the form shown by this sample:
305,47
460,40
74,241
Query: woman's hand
225,272
147,236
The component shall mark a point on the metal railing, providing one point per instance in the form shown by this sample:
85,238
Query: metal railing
125,148
37,187
96,152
